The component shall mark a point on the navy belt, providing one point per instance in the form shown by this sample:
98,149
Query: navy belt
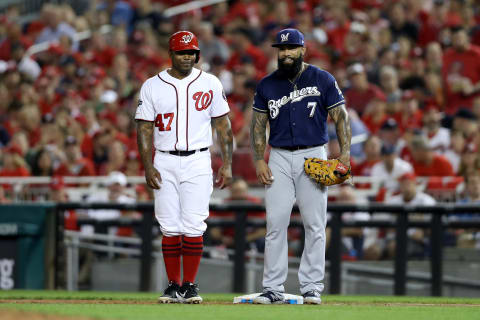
295,148
185,153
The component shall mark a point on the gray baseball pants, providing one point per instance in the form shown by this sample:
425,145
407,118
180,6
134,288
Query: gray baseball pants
290,184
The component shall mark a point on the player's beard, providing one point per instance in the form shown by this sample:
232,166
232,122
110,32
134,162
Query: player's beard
290,70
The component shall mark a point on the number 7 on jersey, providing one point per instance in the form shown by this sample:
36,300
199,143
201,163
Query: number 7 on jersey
159,121
312,105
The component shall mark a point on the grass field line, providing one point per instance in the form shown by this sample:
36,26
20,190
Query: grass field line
56,296
152,302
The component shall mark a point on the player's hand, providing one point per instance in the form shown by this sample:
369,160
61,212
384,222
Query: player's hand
224,176
345,159
467,87
456,84
264,174
153,177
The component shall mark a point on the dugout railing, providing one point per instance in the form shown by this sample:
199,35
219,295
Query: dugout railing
437,224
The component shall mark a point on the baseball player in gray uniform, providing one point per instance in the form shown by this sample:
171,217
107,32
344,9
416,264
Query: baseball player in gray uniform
295,100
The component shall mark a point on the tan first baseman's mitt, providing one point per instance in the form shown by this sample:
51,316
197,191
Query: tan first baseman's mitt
326,172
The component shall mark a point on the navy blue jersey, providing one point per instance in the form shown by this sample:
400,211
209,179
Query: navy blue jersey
298,111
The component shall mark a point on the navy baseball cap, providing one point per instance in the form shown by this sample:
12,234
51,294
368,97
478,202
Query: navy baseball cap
387,149
289,36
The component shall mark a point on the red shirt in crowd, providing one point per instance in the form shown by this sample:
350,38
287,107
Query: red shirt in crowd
413,121
237,119
358,100
82,168
372,124
70,221
18,172
430,28
249,10
105,56
47,105
440,166
364,168
460,64
253,52
336,36
6,47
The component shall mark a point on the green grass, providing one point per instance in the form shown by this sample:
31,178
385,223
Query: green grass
335,307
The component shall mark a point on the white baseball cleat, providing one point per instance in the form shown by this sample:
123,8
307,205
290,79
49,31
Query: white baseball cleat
269,297
312,297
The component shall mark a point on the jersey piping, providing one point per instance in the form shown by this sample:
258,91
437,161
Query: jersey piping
259,110
176,121
336,104
221,115
187,102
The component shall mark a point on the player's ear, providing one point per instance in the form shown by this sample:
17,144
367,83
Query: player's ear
304,49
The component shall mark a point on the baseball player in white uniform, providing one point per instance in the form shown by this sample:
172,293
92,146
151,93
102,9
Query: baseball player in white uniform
178,108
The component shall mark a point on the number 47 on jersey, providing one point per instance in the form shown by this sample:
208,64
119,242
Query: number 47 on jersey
162,119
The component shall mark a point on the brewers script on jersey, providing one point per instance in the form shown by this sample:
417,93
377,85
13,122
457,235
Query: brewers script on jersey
182,111
298,112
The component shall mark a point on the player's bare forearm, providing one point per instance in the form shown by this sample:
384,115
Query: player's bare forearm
225,136
258,134
144,141
340,116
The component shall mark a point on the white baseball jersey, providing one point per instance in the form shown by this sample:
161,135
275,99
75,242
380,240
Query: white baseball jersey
439,142
390,179
182,109
419,199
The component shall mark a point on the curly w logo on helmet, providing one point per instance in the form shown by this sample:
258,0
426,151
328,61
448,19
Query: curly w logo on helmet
285,36
187,38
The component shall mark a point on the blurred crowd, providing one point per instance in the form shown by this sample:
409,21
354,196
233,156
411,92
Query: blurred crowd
409,70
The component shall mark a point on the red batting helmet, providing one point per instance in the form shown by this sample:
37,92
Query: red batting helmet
184,40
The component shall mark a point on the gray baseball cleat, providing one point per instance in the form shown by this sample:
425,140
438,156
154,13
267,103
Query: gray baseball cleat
312,297
269,297
170,294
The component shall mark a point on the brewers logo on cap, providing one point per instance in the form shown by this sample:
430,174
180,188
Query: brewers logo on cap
284,36
289,36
